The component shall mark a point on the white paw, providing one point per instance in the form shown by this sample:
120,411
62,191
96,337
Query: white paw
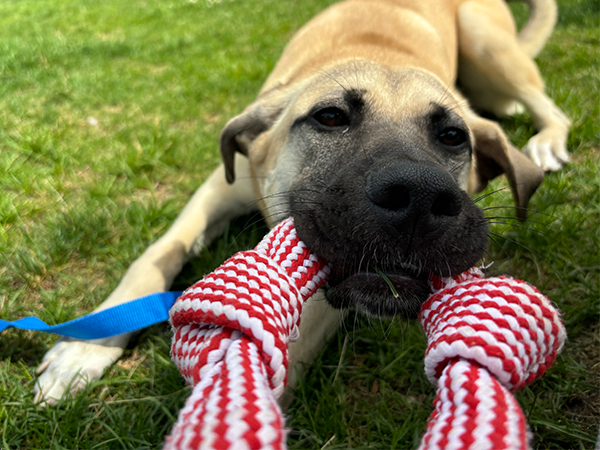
71,364
508,108
548,150
515,108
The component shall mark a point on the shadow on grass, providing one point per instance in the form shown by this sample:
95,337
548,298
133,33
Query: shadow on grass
20,345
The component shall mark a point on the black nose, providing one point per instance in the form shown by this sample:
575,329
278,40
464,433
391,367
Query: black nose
414,197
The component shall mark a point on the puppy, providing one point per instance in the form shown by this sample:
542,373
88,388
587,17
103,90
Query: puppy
361,135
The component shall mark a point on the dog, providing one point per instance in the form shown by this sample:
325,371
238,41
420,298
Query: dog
362,135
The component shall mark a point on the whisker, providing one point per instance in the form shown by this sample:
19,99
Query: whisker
388,331
276,205
478,199
529,210
485,250
506,254
488,218
332,78
532,251
457,167
534,230
251,222
283,212
364,254
281,194
525,227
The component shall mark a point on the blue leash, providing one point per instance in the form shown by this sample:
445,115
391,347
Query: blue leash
124,318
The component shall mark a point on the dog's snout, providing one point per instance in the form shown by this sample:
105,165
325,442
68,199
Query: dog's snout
408,193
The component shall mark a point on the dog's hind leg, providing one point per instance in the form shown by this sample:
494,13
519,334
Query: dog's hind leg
495,71
72,363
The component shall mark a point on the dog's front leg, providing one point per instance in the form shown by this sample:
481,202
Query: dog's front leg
72,363
319,322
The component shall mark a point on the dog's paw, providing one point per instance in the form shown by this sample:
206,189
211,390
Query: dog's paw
514,108
507,108
548,150
70,365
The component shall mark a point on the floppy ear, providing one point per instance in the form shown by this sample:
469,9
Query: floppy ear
494,155
242,130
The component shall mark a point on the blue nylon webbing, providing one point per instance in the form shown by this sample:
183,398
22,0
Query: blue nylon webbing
124,318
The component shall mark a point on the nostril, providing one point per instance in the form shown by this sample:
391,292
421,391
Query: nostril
392,197
446,204
406,193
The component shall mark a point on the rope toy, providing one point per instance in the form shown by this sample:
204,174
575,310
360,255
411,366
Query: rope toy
486,337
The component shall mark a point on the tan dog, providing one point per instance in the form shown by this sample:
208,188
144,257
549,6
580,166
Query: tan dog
362,136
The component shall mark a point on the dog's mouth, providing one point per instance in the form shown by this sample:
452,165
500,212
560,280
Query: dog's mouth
386,277
375,292
386,233
381,274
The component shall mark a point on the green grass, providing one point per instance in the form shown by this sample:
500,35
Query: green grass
79,202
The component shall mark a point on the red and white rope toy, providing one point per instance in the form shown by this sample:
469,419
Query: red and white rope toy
485,338
232,329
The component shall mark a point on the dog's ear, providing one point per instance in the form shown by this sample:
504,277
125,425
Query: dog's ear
494,155
242,130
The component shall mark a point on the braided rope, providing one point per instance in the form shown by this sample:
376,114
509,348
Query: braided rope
486,337
231,335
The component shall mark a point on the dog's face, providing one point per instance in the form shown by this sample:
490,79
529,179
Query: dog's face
374,165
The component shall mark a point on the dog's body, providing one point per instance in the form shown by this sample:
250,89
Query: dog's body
361,135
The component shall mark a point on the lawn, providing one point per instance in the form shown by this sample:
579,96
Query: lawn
109,119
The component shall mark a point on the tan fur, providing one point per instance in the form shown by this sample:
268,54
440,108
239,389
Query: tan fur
412,51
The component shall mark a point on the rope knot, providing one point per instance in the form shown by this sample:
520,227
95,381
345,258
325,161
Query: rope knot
505,325
231,334
486,337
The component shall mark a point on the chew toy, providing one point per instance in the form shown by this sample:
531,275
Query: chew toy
486,337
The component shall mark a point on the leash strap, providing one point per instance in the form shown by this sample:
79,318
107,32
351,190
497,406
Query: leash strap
124,318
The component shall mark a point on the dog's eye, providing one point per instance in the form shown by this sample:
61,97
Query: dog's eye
452,137
331,117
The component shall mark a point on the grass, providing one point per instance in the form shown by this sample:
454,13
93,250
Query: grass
109,118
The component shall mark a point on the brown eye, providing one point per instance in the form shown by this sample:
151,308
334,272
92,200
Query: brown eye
452,137
331,117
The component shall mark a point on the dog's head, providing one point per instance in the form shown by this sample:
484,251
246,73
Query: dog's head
375,165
